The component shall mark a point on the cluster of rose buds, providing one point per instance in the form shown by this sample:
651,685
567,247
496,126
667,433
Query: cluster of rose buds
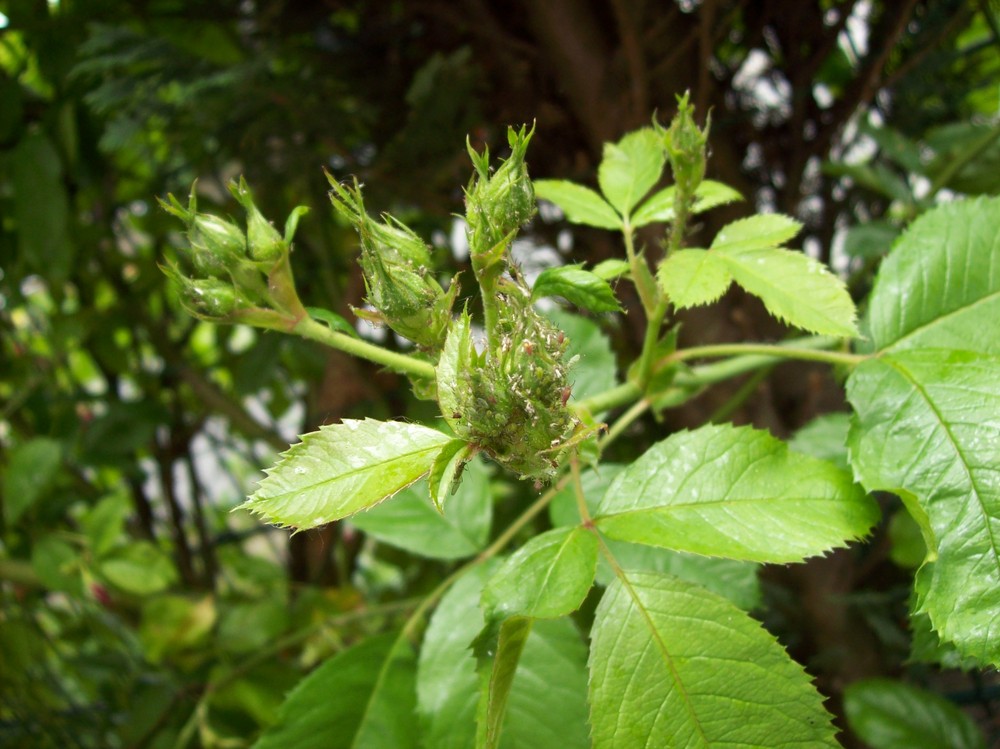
232,275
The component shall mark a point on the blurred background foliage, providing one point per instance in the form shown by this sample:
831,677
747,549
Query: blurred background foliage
136,610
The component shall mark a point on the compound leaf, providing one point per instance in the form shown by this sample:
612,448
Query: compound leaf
343,468
693,277
734,492
795,288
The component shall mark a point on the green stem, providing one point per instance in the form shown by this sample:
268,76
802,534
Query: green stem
641,277
653,326
770,350
752,357
408,365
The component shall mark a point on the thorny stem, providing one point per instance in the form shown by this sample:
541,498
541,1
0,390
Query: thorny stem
402,363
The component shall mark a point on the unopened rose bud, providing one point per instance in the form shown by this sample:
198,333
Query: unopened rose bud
685,144
265,243
498,205
211,297
396,264
214,244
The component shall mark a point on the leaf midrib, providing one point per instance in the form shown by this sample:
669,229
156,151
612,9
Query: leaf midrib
367,468
895,345
908,376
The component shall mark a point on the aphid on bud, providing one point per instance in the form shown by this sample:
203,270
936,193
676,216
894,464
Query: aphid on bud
565,394
561,338
456,415
529,348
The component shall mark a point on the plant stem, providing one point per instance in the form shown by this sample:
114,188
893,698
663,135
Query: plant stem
641,277
402,363
653,325
770,350
750,357
581,499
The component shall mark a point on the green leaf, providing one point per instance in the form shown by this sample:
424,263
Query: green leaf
578,286
457,357
674,665
139,568
175,624
756,232
364,698
594,371
734,492
31,469
57,564
825,437
870,241
630,168
611,269
941,282
547,703
660,205
498,677
104,523
888,714
332,320
41,207
547,577
730,579
580,204
693,277
795,288
927,426
446,471
344,468
411,522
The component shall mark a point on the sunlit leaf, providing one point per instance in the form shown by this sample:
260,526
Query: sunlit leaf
630,168
580,204
734,492
344,468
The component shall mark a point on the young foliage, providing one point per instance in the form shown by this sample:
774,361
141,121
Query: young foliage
795,288
411,521
344,468
675,537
